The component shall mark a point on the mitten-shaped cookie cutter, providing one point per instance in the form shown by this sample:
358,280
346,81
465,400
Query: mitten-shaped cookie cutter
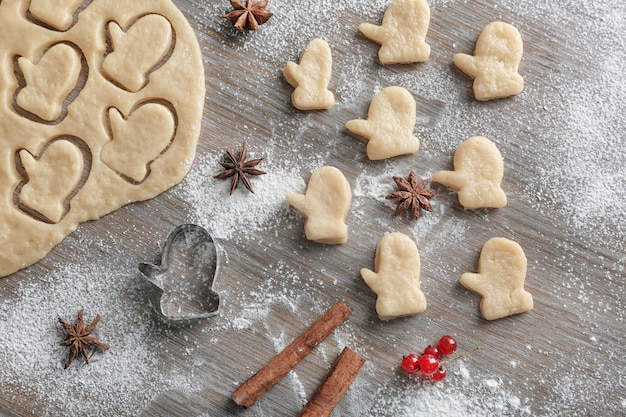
183,281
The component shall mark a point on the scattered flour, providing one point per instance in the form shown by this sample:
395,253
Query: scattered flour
579,180
120,381
454,397
241,324
242,212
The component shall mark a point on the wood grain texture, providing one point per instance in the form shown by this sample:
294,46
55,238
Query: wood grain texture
572,340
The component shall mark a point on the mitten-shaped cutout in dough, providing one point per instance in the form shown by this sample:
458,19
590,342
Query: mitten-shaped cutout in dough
137,51
402,33
49,81
494,65
56,13
36,210
325,205
478,172
126,154
389,125
51,178
311,76
500,279
396,277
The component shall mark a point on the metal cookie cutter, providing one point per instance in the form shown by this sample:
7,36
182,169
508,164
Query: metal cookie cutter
183,282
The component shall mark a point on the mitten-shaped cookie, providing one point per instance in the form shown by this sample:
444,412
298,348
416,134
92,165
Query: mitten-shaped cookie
497,55
396,279
500,279
49,81
137,50
128,156
310,78
478,172
389,125
52,177
325,205
402,33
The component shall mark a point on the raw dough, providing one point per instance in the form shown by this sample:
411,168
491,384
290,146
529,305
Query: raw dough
478,172
497,56
56,13
151,120
397,277
78,141
40,96
63,162
389,125
500,279
402,33
325,205
310,78
124,64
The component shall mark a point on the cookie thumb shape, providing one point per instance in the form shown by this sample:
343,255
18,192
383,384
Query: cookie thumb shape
370,277
451,179
27,69
467,64
471,280
298,201
359,127
117,33
373,32
28,161
292,74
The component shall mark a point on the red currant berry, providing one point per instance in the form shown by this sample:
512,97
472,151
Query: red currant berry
428,364
439,374
432,350
410,363
447,345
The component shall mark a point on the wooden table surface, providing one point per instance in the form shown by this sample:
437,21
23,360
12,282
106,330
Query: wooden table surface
566,196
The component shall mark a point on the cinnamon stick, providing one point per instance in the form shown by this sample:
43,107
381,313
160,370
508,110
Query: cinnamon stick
334,387
261,382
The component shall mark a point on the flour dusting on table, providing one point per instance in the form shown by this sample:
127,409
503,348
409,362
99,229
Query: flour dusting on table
577,183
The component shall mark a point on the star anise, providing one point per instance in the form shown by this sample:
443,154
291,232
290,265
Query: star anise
78,337
249,16
239,168
411,195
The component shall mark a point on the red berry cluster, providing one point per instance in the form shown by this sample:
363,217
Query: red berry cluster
428,363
